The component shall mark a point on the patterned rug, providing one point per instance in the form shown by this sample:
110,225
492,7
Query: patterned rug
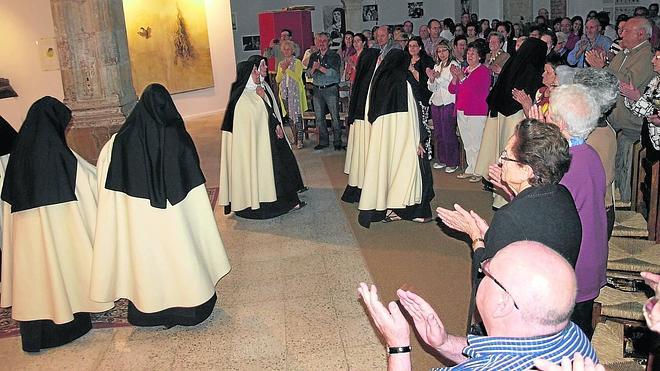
115,317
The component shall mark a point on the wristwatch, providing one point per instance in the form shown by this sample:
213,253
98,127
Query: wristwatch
397,350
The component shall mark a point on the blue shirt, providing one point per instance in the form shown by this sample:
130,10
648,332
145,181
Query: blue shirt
602,42
332,62
502,353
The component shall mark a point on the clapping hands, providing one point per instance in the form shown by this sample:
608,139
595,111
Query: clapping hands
462,220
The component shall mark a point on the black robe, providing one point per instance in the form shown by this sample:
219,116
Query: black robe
42,171
391,79
364,71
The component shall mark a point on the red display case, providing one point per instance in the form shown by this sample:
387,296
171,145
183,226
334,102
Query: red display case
298,21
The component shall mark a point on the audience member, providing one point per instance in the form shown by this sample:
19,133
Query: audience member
592,40
577,26
574,110
496,57
460,47
505,29
471,32
448,27
274,51
408,28
443,109
324,72
643,105
435,27
528,172
604,86
523,72
651,310
525,301
293,96
471,85
634,71
542,95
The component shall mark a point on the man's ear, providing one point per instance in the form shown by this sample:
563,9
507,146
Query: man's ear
502,305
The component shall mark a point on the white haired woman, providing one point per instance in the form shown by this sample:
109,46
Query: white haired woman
604,85
574,109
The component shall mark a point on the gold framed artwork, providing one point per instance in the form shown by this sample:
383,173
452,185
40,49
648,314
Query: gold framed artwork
168,43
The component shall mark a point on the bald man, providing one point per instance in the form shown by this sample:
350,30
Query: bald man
385,42
525,301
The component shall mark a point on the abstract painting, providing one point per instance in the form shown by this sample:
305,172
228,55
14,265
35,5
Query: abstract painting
168,43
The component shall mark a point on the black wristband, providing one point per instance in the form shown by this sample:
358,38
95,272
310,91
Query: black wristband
397,350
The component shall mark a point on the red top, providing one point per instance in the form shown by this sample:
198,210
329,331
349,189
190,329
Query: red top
471,93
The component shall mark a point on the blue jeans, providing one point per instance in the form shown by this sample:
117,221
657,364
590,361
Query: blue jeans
327,97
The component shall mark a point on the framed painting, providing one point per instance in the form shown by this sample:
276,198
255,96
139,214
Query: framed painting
168,43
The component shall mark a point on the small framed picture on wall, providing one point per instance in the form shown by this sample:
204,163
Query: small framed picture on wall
370,13
251,43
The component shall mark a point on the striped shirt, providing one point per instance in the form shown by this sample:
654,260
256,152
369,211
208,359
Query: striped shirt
502,353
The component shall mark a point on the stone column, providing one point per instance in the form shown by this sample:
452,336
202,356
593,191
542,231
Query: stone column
96,71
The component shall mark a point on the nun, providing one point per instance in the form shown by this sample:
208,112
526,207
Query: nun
49,204
259,175
393,186
7,137
157,242
359,126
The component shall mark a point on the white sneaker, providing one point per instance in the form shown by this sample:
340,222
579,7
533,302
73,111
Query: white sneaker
463,176
475,179
437,165
451,169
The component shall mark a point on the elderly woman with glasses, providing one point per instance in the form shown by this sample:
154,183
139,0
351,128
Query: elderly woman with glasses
529,170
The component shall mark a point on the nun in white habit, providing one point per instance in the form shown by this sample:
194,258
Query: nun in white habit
49,196
259,175
157,243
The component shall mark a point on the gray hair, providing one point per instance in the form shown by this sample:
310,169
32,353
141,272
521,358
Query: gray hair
602,83
561,37
498,35
323,34
574,105
646,26
565,74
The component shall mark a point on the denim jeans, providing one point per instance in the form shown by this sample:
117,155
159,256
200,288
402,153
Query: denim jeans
327,97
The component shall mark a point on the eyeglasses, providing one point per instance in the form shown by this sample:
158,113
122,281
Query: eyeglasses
505,157
484,269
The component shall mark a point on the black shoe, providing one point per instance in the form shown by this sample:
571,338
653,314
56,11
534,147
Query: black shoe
320,147
337,148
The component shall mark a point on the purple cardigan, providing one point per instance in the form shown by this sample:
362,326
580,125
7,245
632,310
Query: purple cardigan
585,180
472,92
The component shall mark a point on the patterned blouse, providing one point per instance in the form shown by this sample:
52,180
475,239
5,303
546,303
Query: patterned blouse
647,105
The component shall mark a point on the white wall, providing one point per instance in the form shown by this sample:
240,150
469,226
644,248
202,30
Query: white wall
22,23
490,9
582,7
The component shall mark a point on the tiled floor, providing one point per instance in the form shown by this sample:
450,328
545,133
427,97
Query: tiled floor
279,308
